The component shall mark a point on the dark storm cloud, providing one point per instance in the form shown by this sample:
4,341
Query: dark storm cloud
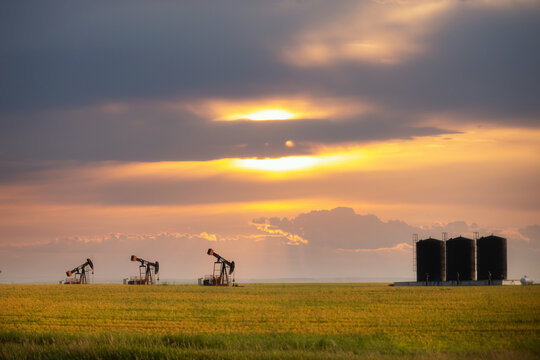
66,54
478,60
62,54
149,135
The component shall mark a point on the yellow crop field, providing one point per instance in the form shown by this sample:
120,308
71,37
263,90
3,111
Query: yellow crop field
269,321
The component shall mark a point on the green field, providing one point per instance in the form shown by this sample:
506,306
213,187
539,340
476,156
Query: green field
270,321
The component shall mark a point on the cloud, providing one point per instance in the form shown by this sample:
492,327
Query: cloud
344,230
420,179
329,244
107,110
380,33
532,234
339,232
470,60
471,57
273,227
401,247
181,255
149,133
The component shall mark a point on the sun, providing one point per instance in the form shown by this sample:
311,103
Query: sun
266,114
290,163
297,164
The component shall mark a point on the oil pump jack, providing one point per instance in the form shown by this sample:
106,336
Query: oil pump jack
223,270
79,273
147,272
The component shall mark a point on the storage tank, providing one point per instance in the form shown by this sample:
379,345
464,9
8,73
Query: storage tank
491,258
430,260
460,259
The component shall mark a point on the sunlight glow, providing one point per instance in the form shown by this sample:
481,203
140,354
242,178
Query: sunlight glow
281,164
396,155
267,114
286,107
387,37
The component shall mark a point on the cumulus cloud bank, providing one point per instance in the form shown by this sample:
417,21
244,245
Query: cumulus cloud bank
318,244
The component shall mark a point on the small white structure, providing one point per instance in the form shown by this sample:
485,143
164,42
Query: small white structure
526,281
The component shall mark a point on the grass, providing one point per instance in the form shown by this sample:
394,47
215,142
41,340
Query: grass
273,321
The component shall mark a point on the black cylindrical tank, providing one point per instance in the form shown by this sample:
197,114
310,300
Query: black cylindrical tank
460,259
491,258
430,260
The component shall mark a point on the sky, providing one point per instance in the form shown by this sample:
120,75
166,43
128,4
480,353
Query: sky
301,139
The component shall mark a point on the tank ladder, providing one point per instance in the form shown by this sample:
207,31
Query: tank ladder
414,241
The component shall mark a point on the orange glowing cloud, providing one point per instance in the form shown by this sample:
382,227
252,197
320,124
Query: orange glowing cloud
399,247
275,231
